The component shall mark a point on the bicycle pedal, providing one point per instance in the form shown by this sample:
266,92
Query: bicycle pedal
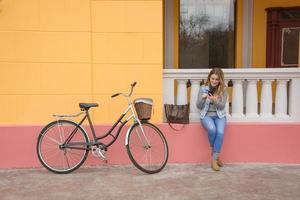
102,157
97,152
102,154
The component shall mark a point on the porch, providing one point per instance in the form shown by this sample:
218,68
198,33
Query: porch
255,94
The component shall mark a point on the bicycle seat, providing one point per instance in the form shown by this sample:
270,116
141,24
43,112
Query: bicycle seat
87,106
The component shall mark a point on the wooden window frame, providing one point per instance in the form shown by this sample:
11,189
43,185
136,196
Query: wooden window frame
275,24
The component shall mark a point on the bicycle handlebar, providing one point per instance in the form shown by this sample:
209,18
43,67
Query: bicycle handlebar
132,86
115,95
128,95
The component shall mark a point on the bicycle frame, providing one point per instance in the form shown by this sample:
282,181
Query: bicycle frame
95,140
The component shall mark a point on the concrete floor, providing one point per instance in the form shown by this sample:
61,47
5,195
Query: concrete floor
176,182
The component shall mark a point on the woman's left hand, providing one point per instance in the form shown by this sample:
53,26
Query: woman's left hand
213,98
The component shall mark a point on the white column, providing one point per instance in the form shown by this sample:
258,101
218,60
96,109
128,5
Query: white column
266,99
294,99
237,99
194,112
168,94
227,102
281,99
168,91
251,99
181,92
247,33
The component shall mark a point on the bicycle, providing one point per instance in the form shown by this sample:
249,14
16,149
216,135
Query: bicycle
63,145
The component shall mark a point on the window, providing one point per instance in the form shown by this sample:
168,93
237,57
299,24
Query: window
290,46
283,35
206,33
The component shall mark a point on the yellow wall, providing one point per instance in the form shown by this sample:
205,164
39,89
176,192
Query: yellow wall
57,53
260,27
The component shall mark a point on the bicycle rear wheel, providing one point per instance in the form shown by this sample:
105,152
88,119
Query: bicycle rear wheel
148,151
56,157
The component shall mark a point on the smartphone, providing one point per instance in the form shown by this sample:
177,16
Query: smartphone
209,93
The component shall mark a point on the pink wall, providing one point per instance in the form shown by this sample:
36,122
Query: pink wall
244,142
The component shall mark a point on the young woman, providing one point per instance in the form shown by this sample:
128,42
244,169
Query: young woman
211,101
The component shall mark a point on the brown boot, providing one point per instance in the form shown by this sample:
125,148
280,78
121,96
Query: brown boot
220,163
215,166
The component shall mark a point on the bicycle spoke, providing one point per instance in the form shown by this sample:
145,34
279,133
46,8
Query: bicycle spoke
67,159
71,159
75,153
149,137
138,145
49,151
139,154
62,134
58,134
156,151
50,143
139,134
52,139
149,157
52,155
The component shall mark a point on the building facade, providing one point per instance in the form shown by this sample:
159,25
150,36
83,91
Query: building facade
57,53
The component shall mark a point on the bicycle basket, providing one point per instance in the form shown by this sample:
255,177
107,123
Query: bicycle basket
143,107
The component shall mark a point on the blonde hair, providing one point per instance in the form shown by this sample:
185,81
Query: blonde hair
220,74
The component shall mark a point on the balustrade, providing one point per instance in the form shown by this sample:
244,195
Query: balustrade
276,104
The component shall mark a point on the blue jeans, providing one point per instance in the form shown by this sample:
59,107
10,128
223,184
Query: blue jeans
215,128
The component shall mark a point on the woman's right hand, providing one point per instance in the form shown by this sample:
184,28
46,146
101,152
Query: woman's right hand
204,95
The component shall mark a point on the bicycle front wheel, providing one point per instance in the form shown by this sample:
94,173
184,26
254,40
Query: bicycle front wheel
147,148
56,157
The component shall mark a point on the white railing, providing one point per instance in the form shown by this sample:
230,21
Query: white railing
244,92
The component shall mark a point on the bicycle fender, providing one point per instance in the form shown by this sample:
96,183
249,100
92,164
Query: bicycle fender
127,134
